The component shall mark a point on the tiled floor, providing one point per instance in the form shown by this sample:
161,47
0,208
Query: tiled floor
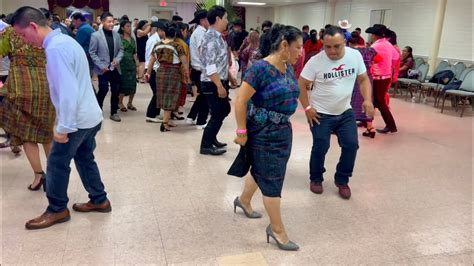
411,204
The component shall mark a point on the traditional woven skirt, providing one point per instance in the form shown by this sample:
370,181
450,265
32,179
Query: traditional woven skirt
168,86
269,148
356,103
128,84
26,111
182,96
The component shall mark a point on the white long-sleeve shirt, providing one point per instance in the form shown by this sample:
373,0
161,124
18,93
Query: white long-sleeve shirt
150,43
195,44
70,84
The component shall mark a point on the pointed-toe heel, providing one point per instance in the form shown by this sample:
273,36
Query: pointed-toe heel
290,246
253,215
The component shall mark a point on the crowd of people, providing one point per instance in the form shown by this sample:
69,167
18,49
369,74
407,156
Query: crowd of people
49,99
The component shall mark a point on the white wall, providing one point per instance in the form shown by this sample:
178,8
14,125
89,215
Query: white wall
9,6
254,16
412,20
134,8
141,8
304,14
343,11
456,40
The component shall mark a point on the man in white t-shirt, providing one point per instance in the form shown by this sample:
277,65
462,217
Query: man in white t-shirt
333,73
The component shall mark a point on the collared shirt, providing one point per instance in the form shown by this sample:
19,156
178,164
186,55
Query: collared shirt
214,56
150,43
83,36
386,52
194,46
70,85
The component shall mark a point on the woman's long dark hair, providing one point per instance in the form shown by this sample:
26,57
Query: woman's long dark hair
313,36
122,25
171,30
140,25
275,36
410,51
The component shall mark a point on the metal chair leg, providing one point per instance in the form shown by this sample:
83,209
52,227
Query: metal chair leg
442,105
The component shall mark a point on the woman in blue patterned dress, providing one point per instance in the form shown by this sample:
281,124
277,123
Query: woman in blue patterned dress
267,98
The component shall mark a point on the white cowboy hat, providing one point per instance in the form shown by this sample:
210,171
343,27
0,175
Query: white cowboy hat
344,24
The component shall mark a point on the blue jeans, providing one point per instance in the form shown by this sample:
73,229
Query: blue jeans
80,147
345,127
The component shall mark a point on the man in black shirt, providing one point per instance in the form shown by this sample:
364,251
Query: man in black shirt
106,51
237,36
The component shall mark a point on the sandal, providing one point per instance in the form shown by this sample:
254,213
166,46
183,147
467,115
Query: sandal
164,127
122,108
370,132
131,107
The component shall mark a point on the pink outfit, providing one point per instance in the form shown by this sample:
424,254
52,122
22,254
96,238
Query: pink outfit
387,53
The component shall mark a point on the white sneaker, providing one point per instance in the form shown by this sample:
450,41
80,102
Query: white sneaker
154,120
189,121
201,126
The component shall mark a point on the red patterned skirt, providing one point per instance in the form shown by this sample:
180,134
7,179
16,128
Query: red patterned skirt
168,86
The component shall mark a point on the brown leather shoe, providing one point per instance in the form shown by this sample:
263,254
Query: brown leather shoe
89,207
316,187
344,191
48,219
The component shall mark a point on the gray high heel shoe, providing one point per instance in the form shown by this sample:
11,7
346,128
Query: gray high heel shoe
253,215
291,246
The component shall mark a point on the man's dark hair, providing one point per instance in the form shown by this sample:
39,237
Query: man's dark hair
305,27
267,24
56,18
358,29
355,38
45,12
327,26
2,16
27,14
214,12
105,15
124,17
8,18
78,16
332,31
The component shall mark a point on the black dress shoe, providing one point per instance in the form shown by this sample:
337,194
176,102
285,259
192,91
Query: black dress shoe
212,151
219,144
386,130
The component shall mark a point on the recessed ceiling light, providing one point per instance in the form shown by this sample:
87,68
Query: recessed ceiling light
251,3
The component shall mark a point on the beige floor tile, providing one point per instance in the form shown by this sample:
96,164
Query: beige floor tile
411,203
140,253
256,259
93,256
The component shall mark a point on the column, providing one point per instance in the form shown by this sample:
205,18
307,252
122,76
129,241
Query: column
436,39
220,2
330,12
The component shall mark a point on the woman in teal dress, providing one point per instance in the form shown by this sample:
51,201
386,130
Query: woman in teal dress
128,65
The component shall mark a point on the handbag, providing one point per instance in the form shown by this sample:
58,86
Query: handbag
241,165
